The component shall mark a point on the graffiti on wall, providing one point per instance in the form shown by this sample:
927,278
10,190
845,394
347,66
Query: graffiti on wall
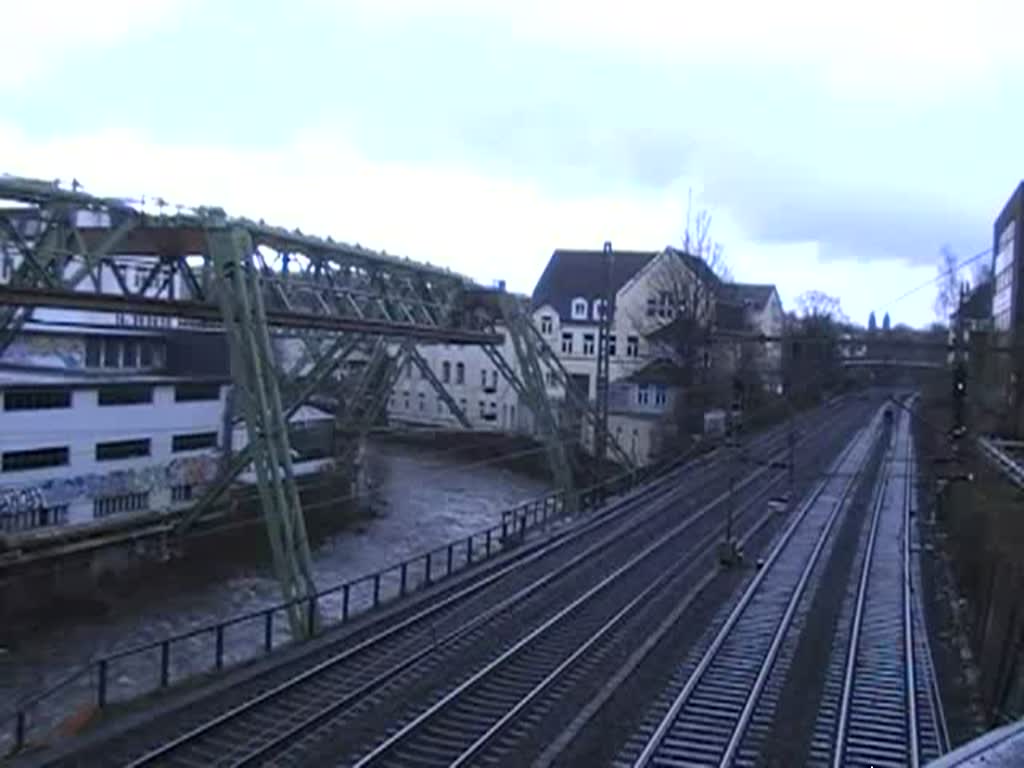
188,470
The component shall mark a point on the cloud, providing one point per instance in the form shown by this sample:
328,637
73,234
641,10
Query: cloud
40,37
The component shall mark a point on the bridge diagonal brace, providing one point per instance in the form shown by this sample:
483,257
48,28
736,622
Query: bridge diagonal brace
303,388
442,391
534,391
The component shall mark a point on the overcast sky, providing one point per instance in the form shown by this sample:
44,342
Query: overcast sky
838,146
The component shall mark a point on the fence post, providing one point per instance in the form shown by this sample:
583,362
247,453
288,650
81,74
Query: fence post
504,526
469,549
450,557
404,576
376,589
268,631
219,656
344,602
19,731
427,563
488,546
165,663
101,683
311,616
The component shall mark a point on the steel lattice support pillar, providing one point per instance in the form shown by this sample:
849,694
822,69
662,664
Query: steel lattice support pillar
604,358
252,369
534,391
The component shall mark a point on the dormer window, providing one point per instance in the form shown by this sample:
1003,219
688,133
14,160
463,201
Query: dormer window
599,305
579,309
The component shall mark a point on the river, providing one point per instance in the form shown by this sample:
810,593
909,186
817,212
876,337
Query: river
422,498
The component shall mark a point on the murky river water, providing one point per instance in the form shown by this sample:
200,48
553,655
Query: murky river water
422,499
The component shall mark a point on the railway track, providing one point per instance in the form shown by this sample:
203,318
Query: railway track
702,716
890,713
292,700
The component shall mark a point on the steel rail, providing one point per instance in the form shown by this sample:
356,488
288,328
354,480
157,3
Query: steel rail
429,614
682,565
865,440
886,635
908,622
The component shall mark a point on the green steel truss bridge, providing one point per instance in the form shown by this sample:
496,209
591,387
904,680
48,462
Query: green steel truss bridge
74,250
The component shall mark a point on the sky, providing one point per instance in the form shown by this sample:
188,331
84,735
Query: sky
837,146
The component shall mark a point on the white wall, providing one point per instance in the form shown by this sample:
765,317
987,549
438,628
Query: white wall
414,400
87,423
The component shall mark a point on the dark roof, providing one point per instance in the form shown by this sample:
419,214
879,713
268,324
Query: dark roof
659,371
571,274
978,305
743,293
699,267
730,316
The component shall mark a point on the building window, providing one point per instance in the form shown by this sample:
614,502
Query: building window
611,345
182,493
92,352
483,377
599,305
643,394
122,449
494,379
483,409
566,343
512,414
440,408
127,394
588,343
460,373
131,354
115,505
36,399
463,405
186,393
406,396
546,325
145,355
422,402
551,379
579,309
665,308
632,346
40,517
37,458
660,395
446,372
196,441
111,353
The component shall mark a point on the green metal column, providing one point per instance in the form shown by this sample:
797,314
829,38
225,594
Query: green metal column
534,390
252,368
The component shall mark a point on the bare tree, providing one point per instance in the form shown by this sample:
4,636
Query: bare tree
982,273
948,279
815,304
697,240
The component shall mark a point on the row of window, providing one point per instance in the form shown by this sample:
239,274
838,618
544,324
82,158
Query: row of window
488,410
488,378
646,392
113,353
116,505
44,398
34,518
104,506
590,344
579,309
59,456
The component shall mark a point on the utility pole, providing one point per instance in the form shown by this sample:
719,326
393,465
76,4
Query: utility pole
728,554
603,356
